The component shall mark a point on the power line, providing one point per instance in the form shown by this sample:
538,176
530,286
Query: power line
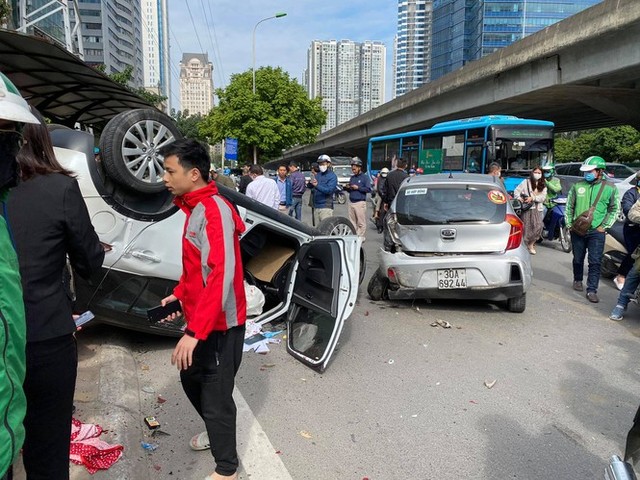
215,44
195,30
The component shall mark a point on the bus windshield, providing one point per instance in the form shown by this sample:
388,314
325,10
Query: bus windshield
520,148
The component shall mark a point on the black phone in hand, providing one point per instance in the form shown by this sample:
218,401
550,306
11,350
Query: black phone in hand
159,313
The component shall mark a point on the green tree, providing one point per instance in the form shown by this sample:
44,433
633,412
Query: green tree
189,125
278,116
5,11
615,144
124,77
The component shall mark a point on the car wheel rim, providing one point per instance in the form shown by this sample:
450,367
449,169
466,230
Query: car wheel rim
340,230
140,150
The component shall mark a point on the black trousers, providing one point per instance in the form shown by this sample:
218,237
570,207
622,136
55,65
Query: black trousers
208,384
52,366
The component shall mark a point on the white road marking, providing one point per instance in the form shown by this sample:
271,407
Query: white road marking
257,455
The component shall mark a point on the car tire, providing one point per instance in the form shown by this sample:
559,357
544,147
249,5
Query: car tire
378,288
517,304
336,226
341,198
128,148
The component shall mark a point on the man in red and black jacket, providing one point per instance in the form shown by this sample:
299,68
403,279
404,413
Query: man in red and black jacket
211,292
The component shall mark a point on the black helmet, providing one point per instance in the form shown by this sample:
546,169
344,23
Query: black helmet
356,161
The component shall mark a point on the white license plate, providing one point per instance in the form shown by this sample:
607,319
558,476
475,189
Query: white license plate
450,278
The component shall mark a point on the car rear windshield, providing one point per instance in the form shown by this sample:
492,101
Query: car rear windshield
449,204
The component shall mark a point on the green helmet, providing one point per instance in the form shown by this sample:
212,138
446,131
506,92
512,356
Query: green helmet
592,163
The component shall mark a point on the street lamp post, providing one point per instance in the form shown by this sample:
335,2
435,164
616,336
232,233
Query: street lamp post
253,67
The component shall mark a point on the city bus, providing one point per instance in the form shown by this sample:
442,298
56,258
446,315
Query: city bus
467,145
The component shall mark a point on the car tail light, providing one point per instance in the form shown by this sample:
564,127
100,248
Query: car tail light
516,232
391,275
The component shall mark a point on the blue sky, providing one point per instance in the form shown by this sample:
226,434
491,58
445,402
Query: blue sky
279,42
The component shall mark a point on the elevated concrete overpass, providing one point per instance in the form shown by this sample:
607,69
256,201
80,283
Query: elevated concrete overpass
583,72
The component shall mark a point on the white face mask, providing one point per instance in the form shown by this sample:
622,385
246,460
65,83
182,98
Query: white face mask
323,168
537,176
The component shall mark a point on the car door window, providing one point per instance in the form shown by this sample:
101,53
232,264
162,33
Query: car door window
324,294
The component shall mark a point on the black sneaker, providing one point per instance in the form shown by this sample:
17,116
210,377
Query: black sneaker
577,286
592,297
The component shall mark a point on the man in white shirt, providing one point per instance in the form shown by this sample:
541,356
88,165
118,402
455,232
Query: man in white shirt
263,189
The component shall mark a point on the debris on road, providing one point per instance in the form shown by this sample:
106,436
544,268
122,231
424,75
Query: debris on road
149,446
391,361
148,389
489,383
441,323
305,434
161,399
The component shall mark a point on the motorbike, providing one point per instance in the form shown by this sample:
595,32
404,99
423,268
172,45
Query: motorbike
554,226
339,195
614,250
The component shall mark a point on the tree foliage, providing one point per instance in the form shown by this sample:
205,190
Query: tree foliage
278,116
124,77
5,11
616,144
189,125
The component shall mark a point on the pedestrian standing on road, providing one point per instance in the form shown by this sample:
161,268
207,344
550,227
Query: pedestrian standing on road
601,198
381,191
298,187
263,189
284,188
394,180
631,232
359,186
50,223
245,179
323,185
533,191
224,180
14,113
632,278
212,298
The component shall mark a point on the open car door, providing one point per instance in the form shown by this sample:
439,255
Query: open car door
324,291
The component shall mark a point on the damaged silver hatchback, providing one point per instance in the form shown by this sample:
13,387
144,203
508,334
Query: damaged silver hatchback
453,236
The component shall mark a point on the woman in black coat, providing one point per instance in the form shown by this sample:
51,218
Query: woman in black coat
50,222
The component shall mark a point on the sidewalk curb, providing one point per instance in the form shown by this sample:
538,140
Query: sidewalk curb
119,395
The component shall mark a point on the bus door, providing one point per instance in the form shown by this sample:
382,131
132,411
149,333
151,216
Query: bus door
409,151
474,151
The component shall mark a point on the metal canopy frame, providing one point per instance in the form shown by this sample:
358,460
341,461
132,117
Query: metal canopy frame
60,85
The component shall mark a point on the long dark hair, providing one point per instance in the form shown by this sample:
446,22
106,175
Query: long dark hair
36,156
539,184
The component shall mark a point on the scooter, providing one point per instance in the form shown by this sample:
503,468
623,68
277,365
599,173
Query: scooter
339,195
614,250
555,227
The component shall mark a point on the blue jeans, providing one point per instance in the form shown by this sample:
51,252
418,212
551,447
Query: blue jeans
295,210
631,282
591,246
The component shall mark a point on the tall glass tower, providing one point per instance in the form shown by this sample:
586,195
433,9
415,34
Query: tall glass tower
466,30
412,46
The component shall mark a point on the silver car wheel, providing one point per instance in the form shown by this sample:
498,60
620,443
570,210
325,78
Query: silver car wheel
140,147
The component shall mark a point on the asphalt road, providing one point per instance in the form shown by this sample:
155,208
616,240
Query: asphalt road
404,399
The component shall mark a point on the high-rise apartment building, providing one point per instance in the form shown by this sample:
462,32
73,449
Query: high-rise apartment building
412,49
112,35
466,30
196,83
155,48
348,76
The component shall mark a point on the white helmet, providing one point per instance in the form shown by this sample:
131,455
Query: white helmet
12,106
324,158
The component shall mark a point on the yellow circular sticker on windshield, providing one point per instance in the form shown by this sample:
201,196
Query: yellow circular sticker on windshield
497,197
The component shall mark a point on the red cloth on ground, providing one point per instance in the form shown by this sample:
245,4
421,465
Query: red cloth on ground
88,450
